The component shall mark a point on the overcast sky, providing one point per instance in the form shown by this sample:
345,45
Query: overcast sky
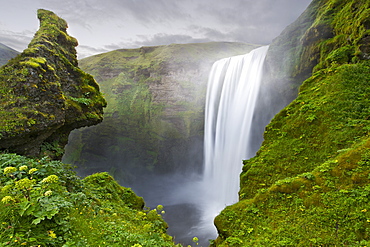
104,25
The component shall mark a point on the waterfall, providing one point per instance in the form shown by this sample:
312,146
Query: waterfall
232,92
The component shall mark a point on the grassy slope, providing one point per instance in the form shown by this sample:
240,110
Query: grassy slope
309,183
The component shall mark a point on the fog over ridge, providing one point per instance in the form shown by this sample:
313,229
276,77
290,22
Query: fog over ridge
113,24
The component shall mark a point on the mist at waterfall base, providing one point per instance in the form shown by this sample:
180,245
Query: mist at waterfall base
233,132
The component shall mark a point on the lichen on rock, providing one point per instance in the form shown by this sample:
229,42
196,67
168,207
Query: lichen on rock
44,94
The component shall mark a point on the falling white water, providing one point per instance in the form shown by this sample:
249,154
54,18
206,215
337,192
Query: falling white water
233,87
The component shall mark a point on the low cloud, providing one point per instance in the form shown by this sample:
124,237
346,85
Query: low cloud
166,39
16,40
262,20
87,51
102,26
147,40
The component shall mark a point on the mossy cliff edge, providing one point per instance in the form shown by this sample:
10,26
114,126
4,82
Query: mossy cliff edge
309,184
44,94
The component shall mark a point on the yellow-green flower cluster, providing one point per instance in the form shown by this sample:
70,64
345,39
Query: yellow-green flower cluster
9,169
6,188
32,170
25,183
48,193
52,234
50,179
195,239
7,199
23,168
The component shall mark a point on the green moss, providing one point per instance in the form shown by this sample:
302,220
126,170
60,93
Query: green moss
349,28
313,127
34,62
84,101
104,187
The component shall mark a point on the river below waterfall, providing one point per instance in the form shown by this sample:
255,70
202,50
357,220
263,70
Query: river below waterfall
183,204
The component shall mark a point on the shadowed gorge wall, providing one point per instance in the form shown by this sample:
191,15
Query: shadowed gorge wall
309,182
154,119
44,93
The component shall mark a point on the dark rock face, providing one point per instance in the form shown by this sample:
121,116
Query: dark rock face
45,94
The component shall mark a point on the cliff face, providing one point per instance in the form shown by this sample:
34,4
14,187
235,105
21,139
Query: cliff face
319,37
154,118
308,185
6,53
44,94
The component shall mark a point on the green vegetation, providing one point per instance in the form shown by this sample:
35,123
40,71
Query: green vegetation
330,114
309,183
45,204
325,207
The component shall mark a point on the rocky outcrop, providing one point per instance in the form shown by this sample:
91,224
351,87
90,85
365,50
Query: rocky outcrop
45,94
154,118
6,53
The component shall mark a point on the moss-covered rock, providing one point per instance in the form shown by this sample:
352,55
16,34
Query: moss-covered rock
104,187
45,94
309,183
